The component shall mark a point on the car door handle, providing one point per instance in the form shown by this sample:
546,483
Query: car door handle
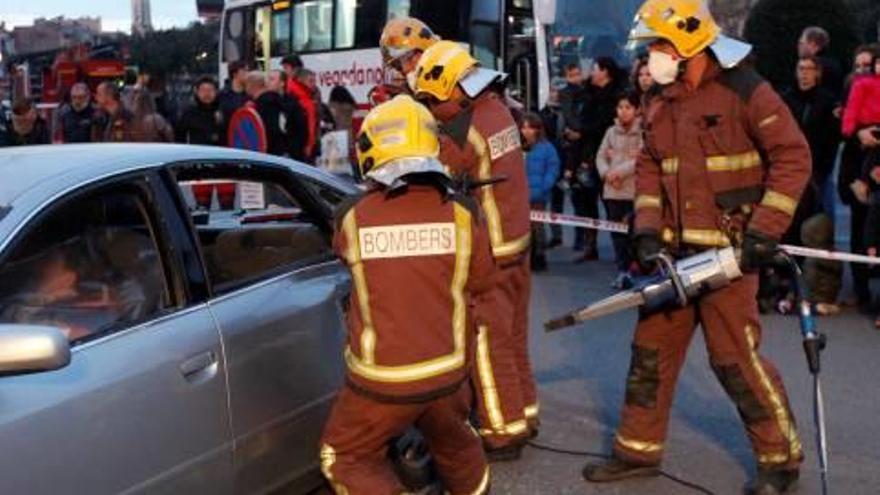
199,368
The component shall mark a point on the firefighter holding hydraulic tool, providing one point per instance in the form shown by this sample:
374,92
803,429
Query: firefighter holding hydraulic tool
724,164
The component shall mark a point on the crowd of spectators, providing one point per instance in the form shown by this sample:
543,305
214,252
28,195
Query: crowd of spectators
288,102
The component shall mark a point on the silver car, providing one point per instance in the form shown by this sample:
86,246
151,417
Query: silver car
170,320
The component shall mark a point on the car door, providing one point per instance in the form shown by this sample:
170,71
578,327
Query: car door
277,298
141,408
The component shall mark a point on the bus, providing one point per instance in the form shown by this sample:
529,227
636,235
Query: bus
338,39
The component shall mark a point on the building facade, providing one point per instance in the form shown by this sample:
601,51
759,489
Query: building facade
141,17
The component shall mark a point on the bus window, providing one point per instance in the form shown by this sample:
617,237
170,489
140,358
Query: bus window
234,39
398,8
522,4
313,26
346,12
484,39
359,23
449,22
263,39
281,17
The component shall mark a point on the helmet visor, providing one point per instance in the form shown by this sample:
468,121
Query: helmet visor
479,79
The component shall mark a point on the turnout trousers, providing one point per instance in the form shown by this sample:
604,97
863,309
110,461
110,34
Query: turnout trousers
507,400
354,447
730,322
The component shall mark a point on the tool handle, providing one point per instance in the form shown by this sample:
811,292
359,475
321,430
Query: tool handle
560,323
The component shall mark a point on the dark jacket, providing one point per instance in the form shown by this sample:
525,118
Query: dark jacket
599,112
571,103
814,111
274,110
201,124
38,135
76,127
832,75
229,102
297,128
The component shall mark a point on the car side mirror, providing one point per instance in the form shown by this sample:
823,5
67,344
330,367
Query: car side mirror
32,348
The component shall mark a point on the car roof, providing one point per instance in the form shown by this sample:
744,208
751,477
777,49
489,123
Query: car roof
28,167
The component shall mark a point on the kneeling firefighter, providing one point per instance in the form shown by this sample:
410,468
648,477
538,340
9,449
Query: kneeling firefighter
724,164
421,261
480,139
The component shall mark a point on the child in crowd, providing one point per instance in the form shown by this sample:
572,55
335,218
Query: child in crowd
542,170
616,163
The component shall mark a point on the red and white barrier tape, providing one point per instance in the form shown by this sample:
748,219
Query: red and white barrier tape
622,228
573,221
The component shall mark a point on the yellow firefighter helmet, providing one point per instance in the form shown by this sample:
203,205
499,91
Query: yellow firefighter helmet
447,64
402,35
398,138
687,24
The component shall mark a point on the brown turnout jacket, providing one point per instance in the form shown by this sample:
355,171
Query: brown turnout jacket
420,262
718,161
483,142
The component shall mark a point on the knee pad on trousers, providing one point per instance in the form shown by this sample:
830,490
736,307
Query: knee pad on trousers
643,380
734,382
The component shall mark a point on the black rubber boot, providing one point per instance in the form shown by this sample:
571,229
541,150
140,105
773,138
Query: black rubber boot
616,469
773,482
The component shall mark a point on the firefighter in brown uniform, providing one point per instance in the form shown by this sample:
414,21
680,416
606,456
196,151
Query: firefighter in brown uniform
724,164
420,259
481,139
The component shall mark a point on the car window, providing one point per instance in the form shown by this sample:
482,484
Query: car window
329,196
90,267
252,229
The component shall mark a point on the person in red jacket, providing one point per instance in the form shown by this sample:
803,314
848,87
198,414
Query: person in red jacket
481,140
863,106
292,65
409,351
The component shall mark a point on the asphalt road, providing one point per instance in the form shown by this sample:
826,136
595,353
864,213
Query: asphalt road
581,374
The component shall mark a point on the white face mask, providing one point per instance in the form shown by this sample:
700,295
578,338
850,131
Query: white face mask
411,79
663,67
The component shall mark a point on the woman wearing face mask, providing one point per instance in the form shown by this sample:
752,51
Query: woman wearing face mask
26,128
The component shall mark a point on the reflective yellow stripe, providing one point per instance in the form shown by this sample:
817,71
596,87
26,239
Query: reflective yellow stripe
669,166
328,459
488,388
490,207
484,484
531,411
638,445
647,201
786,425
513,247
368,334
514,429
733,163
698,237
443,364
489,392
766,459
769,120
781,202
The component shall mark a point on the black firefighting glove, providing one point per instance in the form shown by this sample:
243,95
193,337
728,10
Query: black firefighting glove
648,246
758,250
